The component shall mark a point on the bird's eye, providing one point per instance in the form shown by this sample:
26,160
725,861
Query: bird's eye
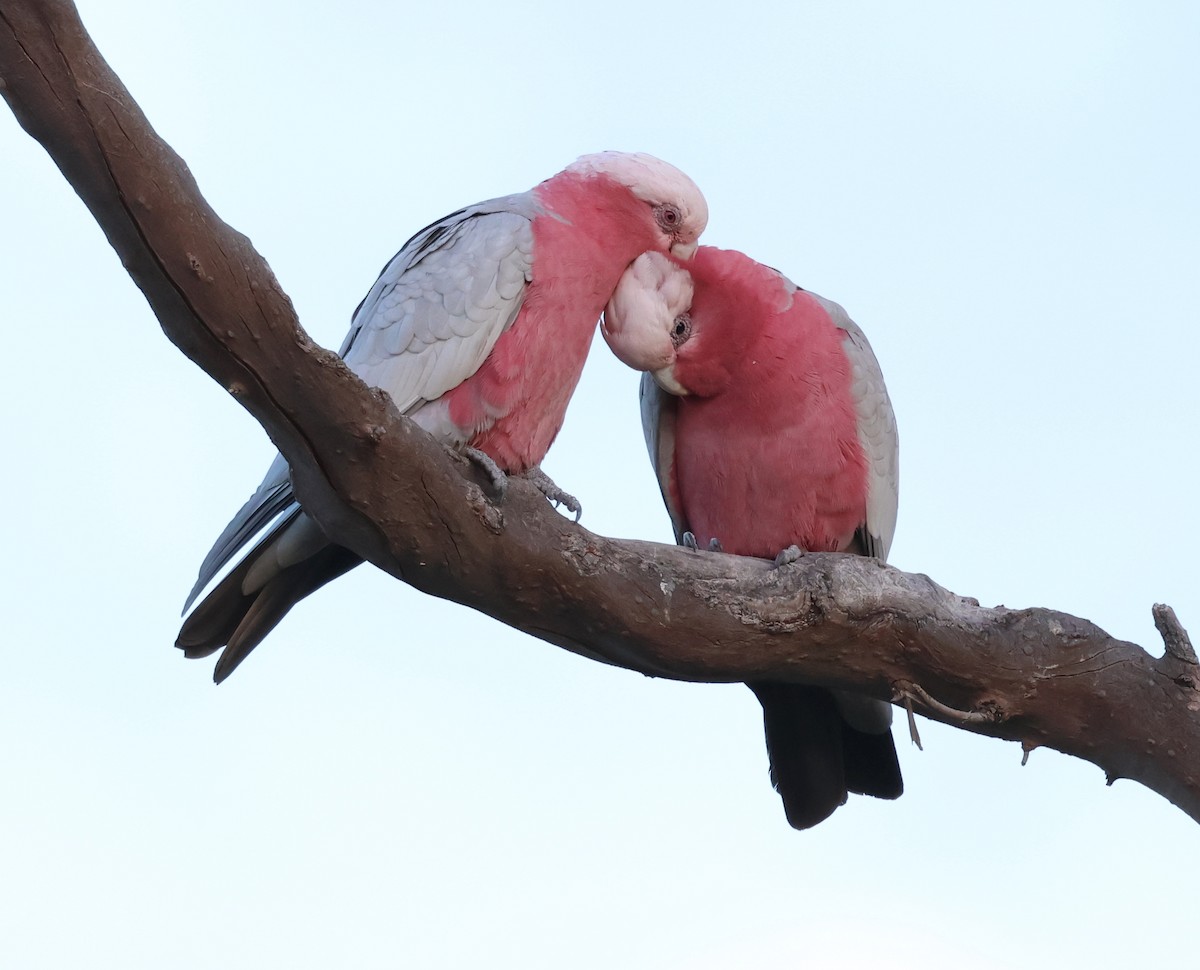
668,216
681,329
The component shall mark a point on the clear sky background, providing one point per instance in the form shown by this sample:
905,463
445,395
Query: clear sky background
1002,194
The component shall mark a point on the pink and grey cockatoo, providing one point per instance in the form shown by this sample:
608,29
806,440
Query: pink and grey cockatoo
769,427
478,329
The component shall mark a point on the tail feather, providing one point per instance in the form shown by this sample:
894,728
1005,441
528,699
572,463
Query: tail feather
271,604
816,758
273,496
872,767
210,625
804,744
237,620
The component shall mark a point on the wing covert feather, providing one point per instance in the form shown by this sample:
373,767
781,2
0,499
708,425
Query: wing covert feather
439,306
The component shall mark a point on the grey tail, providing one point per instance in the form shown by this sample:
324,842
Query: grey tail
816,758
236,621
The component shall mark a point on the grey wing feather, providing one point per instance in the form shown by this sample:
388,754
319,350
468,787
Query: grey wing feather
440,305
273,496
876,432
658,425
425,326
881,444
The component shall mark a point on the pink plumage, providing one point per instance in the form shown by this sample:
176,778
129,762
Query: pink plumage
769,427
478,330
513,406
768,452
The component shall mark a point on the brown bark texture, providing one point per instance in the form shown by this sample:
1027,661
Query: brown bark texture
380,486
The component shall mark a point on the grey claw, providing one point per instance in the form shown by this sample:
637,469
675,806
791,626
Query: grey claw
788,556
714,545
545,485
689,540
489,467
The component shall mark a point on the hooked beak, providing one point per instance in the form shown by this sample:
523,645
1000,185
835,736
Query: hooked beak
684,250
664,377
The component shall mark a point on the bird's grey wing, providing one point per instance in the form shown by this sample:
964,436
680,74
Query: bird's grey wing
273,496
658,425
426,325
881,445
876,433
440,305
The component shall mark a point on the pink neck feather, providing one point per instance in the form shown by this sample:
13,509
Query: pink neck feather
514,405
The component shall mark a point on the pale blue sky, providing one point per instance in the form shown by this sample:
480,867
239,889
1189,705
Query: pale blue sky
1002,195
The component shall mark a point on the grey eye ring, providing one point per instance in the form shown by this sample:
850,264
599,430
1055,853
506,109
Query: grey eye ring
668,216
681,329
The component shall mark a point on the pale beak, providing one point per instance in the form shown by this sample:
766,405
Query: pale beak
664,377
684,251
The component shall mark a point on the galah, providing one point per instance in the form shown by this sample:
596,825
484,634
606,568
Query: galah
478,329
771,432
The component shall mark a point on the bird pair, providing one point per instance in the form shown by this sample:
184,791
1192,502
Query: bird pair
763,406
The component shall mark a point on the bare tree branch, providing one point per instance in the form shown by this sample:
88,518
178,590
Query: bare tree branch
383,488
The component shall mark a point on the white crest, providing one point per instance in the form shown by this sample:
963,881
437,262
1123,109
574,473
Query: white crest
652,180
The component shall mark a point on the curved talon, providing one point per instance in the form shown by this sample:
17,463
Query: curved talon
788,556
545,485
714,545
688,539
489,467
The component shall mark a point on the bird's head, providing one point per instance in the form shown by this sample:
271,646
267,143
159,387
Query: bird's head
648,318
692,325
679,208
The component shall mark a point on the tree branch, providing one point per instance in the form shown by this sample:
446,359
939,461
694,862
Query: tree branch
380,486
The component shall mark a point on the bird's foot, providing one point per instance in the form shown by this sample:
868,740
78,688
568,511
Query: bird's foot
545,485
688,540
788,556
493,471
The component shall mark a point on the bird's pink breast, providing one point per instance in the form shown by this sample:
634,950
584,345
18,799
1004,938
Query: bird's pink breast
517,400
774,459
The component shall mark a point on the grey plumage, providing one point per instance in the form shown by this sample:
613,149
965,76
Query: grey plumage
427,323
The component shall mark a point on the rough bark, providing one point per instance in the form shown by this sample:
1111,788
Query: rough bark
380,486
